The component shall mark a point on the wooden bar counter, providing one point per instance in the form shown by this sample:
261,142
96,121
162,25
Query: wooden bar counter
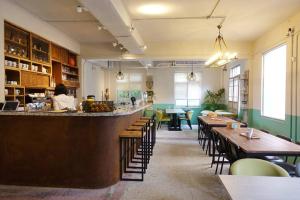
74,150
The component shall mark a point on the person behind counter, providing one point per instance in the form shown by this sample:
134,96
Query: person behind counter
61,100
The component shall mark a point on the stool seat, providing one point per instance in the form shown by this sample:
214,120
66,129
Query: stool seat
142,120
131,134
139,124
146,118
134,128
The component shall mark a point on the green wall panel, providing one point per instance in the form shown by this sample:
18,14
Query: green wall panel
285,127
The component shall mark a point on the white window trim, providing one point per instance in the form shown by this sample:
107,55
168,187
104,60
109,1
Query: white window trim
238,87
262,83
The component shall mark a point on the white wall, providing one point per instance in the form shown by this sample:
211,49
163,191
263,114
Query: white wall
93,80
163,78
270,39
98,77
18,16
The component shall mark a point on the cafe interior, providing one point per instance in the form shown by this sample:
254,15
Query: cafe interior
149,99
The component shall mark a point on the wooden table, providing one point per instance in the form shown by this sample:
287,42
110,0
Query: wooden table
267,144
261,187
224,113
174,125
208,123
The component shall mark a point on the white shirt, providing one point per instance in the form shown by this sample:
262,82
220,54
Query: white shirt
63,101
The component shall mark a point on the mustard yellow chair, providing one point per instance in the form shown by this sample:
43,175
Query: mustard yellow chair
161,118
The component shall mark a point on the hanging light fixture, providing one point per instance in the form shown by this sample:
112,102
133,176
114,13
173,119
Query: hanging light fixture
192,75
120,75
222,56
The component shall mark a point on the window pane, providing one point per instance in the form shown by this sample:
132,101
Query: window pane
180,91
181,102
194,90
194,102
135,77
136,93
180,77
274,83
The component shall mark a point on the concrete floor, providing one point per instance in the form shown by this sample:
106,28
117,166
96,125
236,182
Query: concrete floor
179,170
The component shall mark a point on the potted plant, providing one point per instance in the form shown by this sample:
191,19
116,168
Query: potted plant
214,100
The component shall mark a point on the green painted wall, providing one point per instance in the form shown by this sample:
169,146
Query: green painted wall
287,127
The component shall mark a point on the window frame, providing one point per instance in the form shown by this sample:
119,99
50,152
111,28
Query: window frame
263,82
187,89
234,78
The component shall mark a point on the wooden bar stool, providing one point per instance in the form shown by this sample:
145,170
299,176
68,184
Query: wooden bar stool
145,126
153,128
135,145
125,152
150,129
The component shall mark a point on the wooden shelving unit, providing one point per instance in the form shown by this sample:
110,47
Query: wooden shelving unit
29,61
64,67
15,92
16,41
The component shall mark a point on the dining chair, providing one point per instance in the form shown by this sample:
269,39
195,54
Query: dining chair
187,117
256,167
149,112
283,162
161,118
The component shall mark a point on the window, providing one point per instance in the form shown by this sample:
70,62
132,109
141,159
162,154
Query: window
234,77
274,83
130,86
187,93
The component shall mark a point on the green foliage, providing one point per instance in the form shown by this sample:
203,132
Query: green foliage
125,95
214,100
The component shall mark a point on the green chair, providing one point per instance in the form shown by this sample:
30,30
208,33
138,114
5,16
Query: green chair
256,167
149,112
188,118
161,118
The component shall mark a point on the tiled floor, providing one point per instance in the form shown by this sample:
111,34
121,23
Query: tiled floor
179,170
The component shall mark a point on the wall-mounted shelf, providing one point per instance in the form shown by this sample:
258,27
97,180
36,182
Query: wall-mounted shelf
28,61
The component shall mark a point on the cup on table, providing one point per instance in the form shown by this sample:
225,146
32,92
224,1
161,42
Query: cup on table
249,133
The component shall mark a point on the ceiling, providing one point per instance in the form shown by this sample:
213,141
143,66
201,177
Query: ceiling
62,14
245,20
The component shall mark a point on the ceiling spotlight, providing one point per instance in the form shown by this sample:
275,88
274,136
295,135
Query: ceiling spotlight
131,28
115,44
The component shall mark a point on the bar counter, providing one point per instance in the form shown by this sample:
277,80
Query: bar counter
74,150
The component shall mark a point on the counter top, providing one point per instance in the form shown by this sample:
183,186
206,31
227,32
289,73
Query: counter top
119,112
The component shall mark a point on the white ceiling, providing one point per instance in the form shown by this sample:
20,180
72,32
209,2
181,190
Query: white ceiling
245,20
62,14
